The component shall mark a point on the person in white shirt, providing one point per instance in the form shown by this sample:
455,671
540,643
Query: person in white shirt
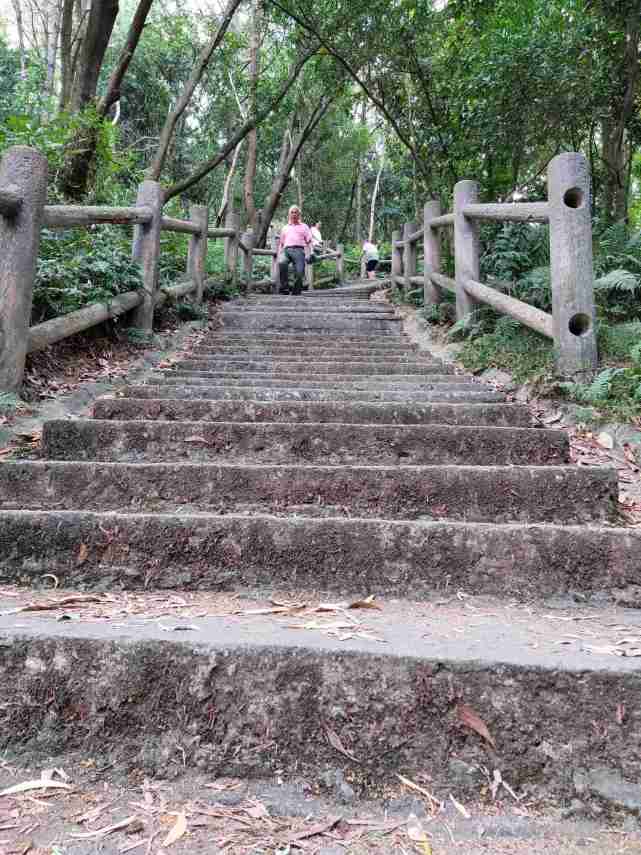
317,241
370,254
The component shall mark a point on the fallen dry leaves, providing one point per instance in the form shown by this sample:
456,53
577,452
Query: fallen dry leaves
471,719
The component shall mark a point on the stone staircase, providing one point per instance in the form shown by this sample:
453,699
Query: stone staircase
307,447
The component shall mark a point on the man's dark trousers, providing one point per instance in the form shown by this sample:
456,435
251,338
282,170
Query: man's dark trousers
295,255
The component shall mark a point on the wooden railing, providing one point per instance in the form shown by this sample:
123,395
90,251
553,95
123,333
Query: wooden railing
24,212
328,254
571,326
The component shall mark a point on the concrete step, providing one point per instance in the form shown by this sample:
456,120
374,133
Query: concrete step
365,709
264,393
438,382
292,339
302,305
314,322
282,443
167,409
234,551
267,366
558,494
311,354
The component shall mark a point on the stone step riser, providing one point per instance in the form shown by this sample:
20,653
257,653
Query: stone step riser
311,307
263,393
311,368
329,444
562,495
402,714
335,340
313,323
227,552
289,354
441,383
495,415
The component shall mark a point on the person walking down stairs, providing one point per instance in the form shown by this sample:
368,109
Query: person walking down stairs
294,247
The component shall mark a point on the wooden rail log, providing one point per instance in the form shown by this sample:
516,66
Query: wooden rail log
49,332
444,282
69,216
442,220
10,200
185,227
220,233
530,316
511,212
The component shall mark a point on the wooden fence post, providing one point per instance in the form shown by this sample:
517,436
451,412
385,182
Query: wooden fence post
466,245
197,252
146,250
248,260
275,273
410,255
340,263
23,178
432,294
309,276
571,264
232,221
397,258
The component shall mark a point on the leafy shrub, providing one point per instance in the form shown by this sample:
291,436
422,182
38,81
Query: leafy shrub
78,267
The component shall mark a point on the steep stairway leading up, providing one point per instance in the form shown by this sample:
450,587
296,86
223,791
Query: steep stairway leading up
307,447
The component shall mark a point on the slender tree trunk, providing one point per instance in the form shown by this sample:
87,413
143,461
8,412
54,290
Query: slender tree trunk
229,183
100,24
358,222
616,148
289,154
198,70
252,138
21,44
66,54
372,212
54,27
126,54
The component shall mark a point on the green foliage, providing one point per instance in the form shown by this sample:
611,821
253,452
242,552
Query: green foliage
615,392
187,311
511,347
78,267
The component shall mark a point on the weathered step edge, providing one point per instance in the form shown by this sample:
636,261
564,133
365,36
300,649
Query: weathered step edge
229,552
556,494
259,709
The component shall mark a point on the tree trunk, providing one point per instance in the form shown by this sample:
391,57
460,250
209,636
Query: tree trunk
616,147
229,183
358,222
100,24
198,70
21,43
66,54
372,213
289,154
54,26
252,139
126,54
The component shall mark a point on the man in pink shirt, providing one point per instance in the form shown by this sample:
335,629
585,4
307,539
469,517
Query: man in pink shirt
294,247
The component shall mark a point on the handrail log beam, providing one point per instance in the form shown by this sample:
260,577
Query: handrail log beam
442,220
510,212
170,224
530,316
71,216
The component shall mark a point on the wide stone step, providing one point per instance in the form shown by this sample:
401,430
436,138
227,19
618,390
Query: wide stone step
281,443
258,339
400,691
559,494
440,382
302,305
259,392
266,366
233,551
314,322
297,354
497,415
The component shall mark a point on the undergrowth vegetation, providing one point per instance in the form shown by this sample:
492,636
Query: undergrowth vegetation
516,261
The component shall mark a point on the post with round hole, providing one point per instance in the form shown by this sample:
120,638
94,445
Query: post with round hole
146,250
197,252
23,172
275,274
571,264
410,256
397,259
340,263
466,246
432,294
